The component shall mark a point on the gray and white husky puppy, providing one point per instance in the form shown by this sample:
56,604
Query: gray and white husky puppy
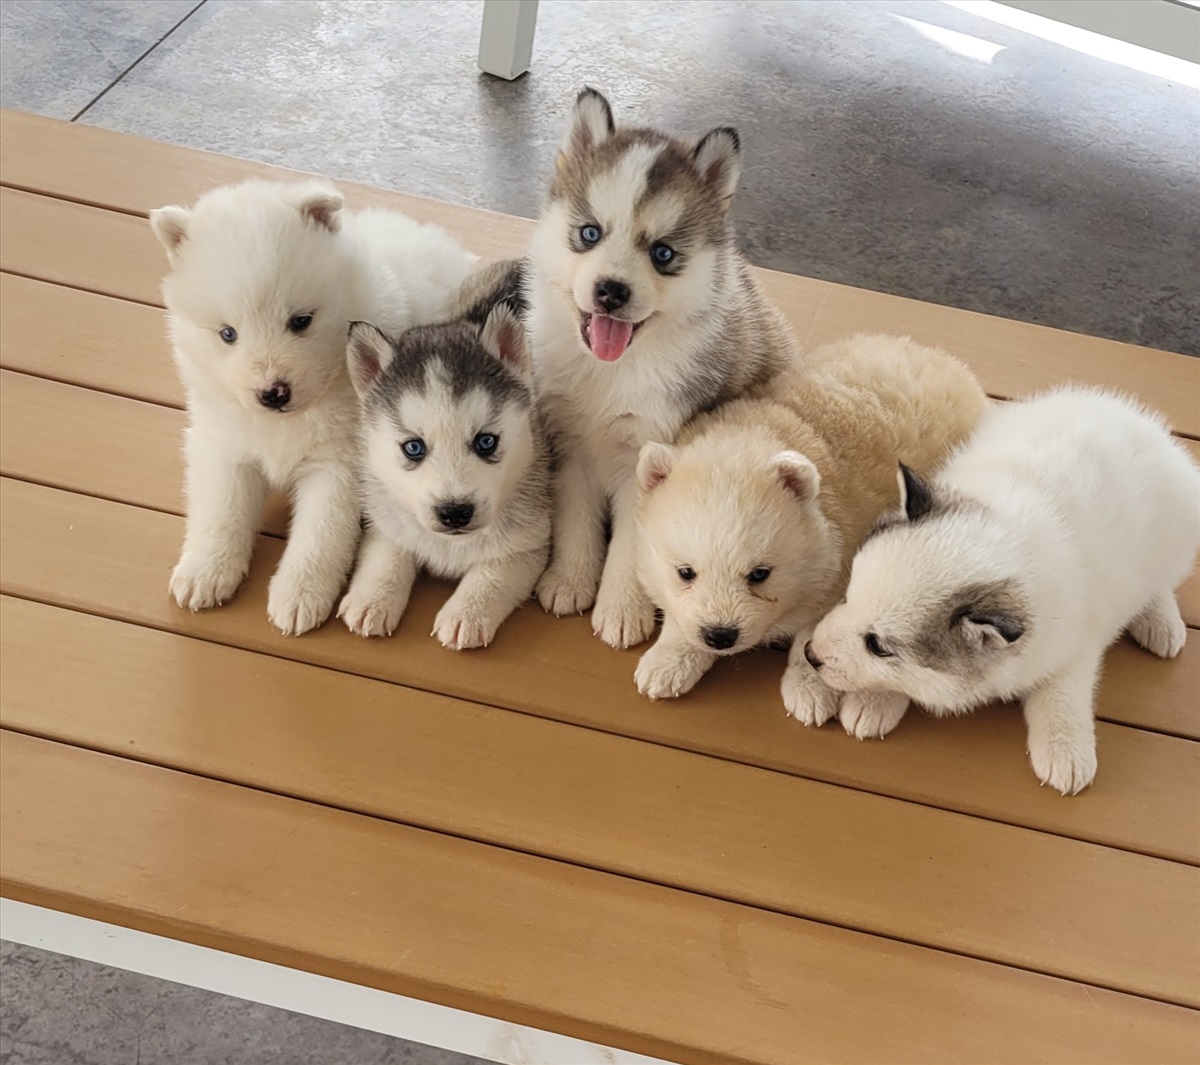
642,314
455,462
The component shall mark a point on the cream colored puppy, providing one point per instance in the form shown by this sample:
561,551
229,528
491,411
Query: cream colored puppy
748,523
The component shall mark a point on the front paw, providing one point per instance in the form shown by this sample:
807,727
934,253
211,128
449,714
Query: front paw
663,673
623,619
199,582
367,614
297,605
563,591
806,698
871,715
1066,765
462,627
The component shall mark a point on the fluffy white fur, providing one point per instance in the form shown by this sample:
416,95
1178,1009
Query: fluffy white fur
252,258
499,555
1065,520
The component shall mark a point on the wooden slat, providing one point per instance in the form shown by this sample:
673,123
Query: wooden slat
530,940
110,559
1012,358
84,339
957,883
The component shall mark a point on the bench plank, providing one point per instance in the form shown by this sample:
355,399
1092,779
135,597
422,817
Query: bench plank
113,560
716,828
532,941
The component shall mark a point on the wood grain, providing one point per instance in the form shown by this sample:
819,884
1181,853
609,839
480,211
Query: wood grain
489,930
113,560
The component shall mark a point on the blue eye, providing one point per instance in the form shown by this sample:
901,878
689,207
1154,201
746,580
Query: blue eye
590,235
299,322
758,574
414,449
227,333
686,574
662,254
485,444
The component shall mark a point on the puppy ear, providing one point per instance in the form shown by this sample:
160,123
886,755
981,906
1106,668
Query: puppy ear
170,225
503,337
797,474
916,497
368,353
591,125
717,158
654,464
990,630
322,204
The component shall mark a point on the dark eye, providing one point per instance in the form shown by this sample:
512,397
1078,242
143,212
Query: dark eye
227,333
414,449
686,574
485,444
299,322
662,254
758,574
590,235
875,647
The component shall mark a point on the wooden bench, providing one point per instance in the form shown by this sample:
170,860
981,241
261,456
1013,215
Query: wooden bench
516,832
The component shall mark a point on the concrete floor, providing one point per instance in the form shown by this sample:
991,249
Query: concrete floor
1023,179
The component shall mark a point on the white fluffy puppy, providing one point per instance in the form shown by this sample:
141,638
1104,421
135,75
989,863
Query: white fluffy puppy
265,278
1063,521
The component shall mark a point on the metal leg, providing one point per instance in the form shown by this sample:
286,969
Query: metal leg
506,41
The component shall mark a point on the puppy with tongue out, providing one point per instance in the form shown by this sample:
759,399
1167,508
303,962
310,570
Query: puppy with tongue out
642,314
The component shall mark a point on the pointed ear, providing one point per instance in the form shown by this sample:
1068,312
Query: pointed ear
322,204
916,497
170,225
717,157
591,125
368,354
990,629
654,464
798,475
503,337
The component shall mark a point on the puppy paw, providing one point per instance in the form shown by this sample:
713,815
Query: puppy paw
806,698
1159,628
462,627
665,674
871,715
562,592
296,606
1066,766
624,619
198,583
370,615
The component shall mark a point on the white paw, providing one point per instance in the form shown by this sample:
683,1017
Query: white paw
562,591
295,606
806,698
666,674
1161,636
459,628
624,619
370,615
871,715
199,583
1066,766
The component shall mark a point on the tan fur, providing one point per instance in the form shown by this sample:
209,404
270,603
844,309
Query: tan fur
790,478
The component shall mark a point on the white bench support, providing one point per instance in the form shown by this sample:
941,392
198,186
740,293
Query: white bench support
506,40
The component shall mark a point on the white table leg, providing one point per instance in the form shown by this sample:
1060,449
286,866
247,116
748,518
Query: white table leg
506,41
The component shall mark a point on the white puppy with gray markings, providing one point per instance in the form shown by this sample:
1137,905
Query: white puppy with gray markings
1065,520
265,278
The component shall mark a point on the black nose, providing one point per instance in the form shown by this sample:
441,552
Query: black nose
813,660
278,396
455,515
719,639
611,295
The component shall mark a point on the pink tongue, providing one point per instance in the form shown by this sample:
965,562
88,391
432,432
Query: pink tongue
609,337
